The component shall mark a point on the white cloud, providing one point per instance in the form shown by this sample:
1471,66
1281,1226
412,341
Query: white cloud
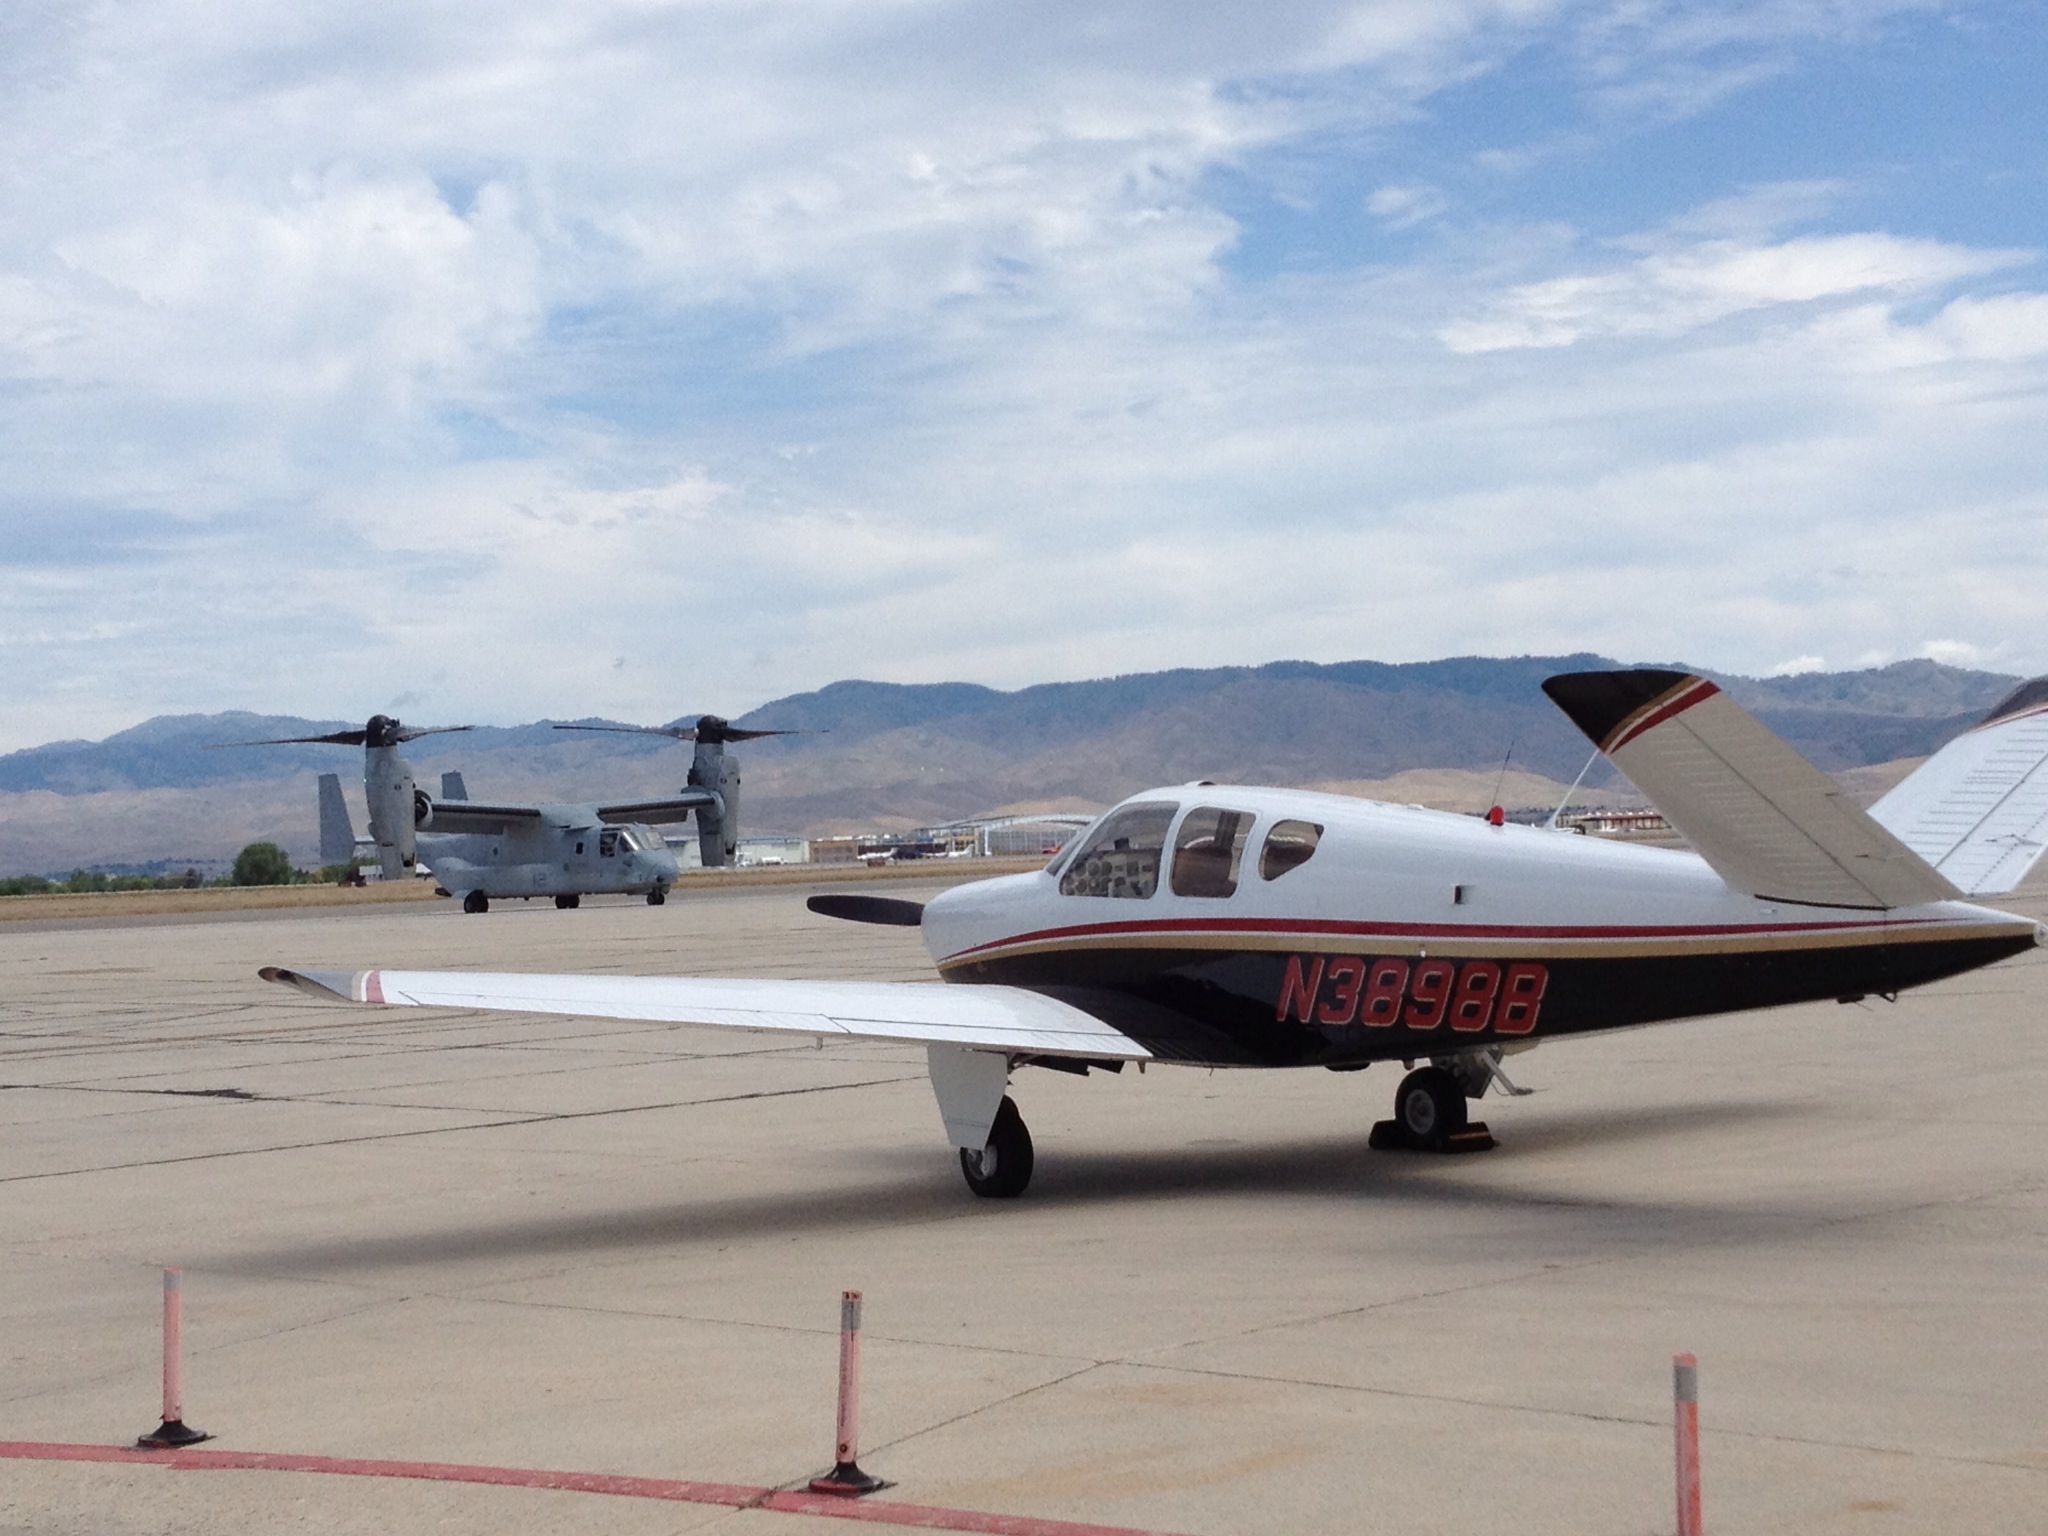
1403,207
1689,286
1796,665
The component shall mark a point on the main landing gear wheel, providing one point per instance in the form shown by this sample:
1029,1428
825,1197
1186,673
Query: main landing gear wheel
1000,1170
1430,1107
566,902
657,896
476,901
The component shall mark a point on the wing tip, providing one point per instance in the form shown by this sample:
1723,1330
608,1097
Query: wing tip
1603,704
2023,700
326,985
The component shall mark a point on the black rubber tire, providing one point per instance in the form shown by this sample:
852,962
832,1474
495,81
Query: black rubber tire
1002,1169
1430,1107
657,896
476,901
566,902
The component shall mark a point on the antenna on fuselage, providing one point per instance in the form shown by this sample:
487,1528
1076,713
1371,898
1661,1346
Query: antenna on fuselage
1551,824
1496,813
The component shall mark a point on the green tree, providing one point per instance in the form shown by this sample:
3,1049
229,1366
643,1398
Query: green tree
263,864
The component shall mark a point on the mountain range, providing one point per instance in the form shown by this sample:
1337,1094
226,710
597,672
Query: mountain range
890,756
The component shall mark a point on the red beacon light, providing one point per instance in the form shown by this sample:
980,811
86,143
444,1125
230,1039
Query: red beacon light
1496,817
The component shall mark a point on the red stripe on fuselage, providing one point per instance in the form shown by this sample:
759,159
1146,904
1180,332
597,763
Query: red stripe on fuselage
1318,928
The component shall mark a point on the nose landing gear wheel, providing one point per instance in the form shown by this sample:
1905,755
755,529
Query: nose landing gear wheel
1430,1107
1000,1170
476,901
657,896
566,902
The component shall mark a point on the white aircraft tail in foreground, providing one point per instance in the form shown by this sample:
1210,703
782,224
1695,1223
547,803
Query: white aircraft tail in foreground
1219,926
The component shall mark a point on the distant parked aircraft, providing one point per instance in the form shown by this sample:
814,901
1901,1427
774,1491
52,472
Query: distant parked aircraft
477,850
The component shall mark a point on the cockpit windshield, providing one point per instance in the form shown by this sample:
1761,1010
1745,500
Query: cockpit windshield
1121,854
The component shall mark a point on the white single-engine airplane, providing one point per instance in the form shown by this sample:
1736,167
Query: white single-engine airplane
1217,926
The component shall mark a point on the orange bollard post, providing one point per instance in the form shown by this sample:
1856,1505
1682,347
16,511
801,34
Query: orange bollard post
173,1431
846,1476
1685,1388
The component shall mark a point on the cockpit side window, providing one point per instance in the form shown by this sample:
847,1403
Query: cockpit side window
1207,850
1122,854
1289,845
608,843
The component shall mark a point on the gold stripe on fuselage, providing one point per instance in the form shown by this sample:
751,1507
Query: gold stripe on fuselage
1499,946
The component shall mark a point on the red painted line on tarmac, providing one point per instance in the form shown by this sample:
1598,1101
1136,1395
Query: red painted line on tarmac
923,1517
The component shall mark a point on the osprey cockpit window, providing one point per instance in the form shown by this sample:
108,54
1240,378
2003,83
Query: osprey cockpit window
608,843
1121,856
1289,845
1207,851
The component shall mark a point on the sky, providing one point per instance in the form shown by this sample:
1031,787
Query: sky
640,357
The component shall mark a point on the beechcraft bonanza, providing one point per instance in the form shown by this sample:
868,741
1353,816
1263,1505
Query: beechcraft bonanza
478,850
1217,926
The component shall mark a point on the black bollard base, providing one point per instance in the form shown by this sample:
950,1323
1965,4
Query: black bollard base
170,1435
848,1481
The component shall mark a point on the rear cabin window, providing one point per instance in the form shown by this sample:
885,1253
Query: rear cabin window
1289,845
1121,856
1207,851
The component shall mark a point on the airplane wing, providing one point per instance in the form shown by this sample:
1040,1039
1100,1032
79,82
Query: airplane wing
654,812
1766,820
990,1018
1978,809
475,816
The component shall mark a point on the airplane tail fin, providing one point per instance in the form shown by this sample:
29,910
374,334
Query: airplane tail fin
337,832
452,787
1978,809
1767,821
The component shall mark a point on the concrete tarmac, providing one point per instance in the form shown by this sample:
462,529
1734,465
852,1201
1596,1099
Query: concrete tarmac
618,1248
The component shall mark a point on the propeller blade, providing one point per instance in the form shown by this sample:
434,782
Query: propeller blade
407,733
331,739
709,728
677,733
890,911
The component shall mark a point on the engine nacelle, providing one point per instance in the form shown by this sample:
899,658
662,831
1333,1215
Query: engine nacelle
394,804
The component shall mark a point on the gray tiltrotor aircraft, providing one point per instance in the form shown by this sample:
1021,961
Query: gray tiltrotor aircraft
478,850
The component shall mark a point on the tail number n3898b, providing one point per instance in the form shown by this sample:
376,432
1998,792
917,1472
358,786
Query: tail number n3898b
1467,995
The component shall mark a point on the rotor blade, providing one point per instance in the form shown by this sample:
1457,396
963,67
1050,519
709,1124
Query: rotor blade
675,732
407,733
890,911
332,739
734,733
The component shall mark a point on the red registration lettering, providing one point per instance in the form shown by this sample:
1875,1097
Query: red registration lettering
1429,994
1298,988
1521,998
1346,973
1381,1005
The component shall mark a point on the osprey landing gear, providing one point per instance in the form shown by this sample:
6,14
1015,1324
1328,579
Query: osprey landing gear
564,903
1001,1169
476,901
657,896
1430,1114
